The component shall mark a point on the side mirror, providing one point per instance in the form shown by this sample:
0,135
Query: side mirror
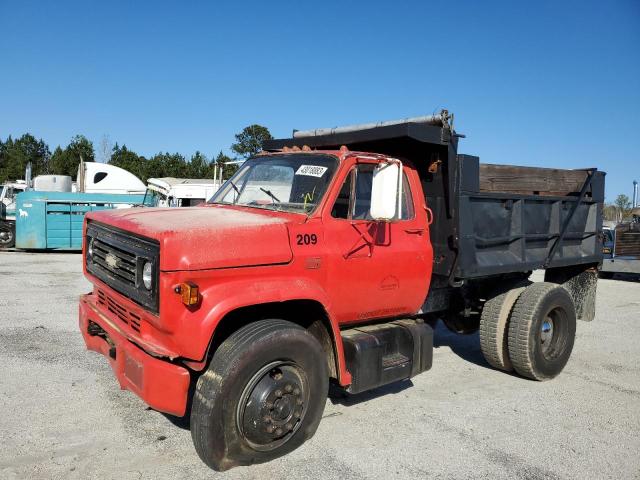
386,190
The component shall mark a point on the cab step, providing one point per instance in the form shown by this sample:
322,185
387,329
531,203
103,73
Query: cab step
380,354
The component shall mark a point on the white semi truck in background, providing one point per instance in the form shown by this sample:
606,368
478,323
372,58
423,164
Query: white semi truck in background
179,192
8,196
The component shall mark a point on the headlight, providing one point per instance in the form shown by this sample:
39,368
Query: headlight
147,275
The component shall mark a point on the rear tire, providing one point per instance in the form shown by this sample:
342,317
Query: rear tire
542,331
261,397
494,327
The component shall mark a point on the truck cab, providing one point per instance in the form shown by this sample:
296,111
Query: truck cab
178,192
327,258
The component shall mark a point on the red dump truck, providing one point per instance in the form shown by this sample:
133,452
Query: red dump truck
327,258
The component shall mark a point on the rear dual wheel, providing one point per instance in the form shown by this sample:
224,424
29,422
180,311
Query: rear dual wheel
542,331
530,330
494,327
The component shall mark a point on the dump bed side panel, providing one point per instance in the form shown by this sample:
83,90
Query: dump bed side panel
504,232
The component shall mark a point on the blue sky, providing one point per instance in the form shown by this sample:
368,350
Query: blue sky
532,83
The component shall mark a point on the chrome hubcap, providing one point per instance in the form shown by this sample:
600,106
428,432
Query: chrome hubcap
546,334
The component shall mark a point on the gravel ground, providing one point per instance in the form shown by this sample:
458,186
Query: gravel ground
62,414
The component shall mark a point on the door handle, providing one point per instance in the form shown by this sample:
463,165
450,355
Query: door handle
417,231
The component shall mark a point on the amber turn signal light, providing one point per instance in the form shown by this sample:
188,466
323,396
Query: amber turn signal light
189,293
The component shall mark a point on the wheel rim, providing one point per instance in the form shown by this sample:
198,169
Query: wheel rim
6,236
273,405
552,337
546,334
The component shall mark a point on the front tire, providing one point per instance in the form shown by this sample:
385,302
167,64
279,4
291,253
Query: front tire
542,331
261,397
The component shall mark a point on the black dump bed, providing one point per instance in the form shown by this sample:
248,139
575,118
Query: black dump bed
488,219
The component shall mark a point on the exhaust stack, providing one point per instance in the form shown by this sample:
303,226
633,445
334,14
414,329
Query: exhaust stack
27,176
635,194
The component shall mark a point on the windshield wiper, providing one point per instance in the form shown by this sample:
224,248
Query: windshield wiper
236,189
273,197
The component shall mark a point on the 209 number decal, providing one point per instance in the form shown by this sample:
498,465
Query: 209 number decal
306,239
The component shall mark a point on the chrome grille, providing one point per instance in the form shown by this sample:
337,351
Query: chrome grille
117,258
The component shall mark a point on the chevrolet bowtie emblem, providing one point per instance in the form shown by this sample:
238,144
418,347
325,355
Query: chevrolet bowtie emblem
111,260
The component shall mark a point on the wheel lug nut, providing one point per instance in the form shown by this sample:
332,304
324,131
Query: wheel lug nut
269,405
279,431
296,391
289,426
288,388
299,401
267,419
270,429
279,393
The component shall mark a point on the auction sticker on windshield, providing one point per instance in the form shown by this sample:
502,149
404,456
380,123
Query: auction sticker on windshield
311,170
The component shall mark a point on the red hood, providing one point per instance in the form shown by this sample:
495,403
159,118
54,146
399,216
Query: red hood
207,237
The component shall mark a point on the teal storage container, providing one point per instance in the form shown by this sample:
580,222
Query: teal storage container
53,220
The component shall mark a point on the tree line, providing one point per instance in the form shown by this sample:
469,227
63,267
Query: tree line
16,153
620,210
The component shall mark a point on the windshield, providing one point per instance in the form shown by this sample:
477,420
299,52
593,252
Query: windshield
153,199
293,183
6,194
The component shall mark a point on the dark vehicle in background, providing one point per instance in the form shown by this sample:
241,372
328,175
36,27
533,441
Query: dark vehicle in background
621,247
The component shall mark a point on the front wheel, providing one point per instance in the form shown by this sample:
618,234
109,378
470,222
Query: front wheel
261,397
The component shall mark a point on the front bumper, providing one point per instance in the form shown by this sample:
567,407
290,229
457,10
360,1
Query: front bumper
162,385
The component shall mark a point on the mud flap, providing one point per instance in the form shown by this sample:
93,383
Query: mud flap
581,282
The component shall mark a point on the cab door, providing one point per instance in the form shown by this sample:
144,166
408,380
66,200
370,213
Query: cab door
376,269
